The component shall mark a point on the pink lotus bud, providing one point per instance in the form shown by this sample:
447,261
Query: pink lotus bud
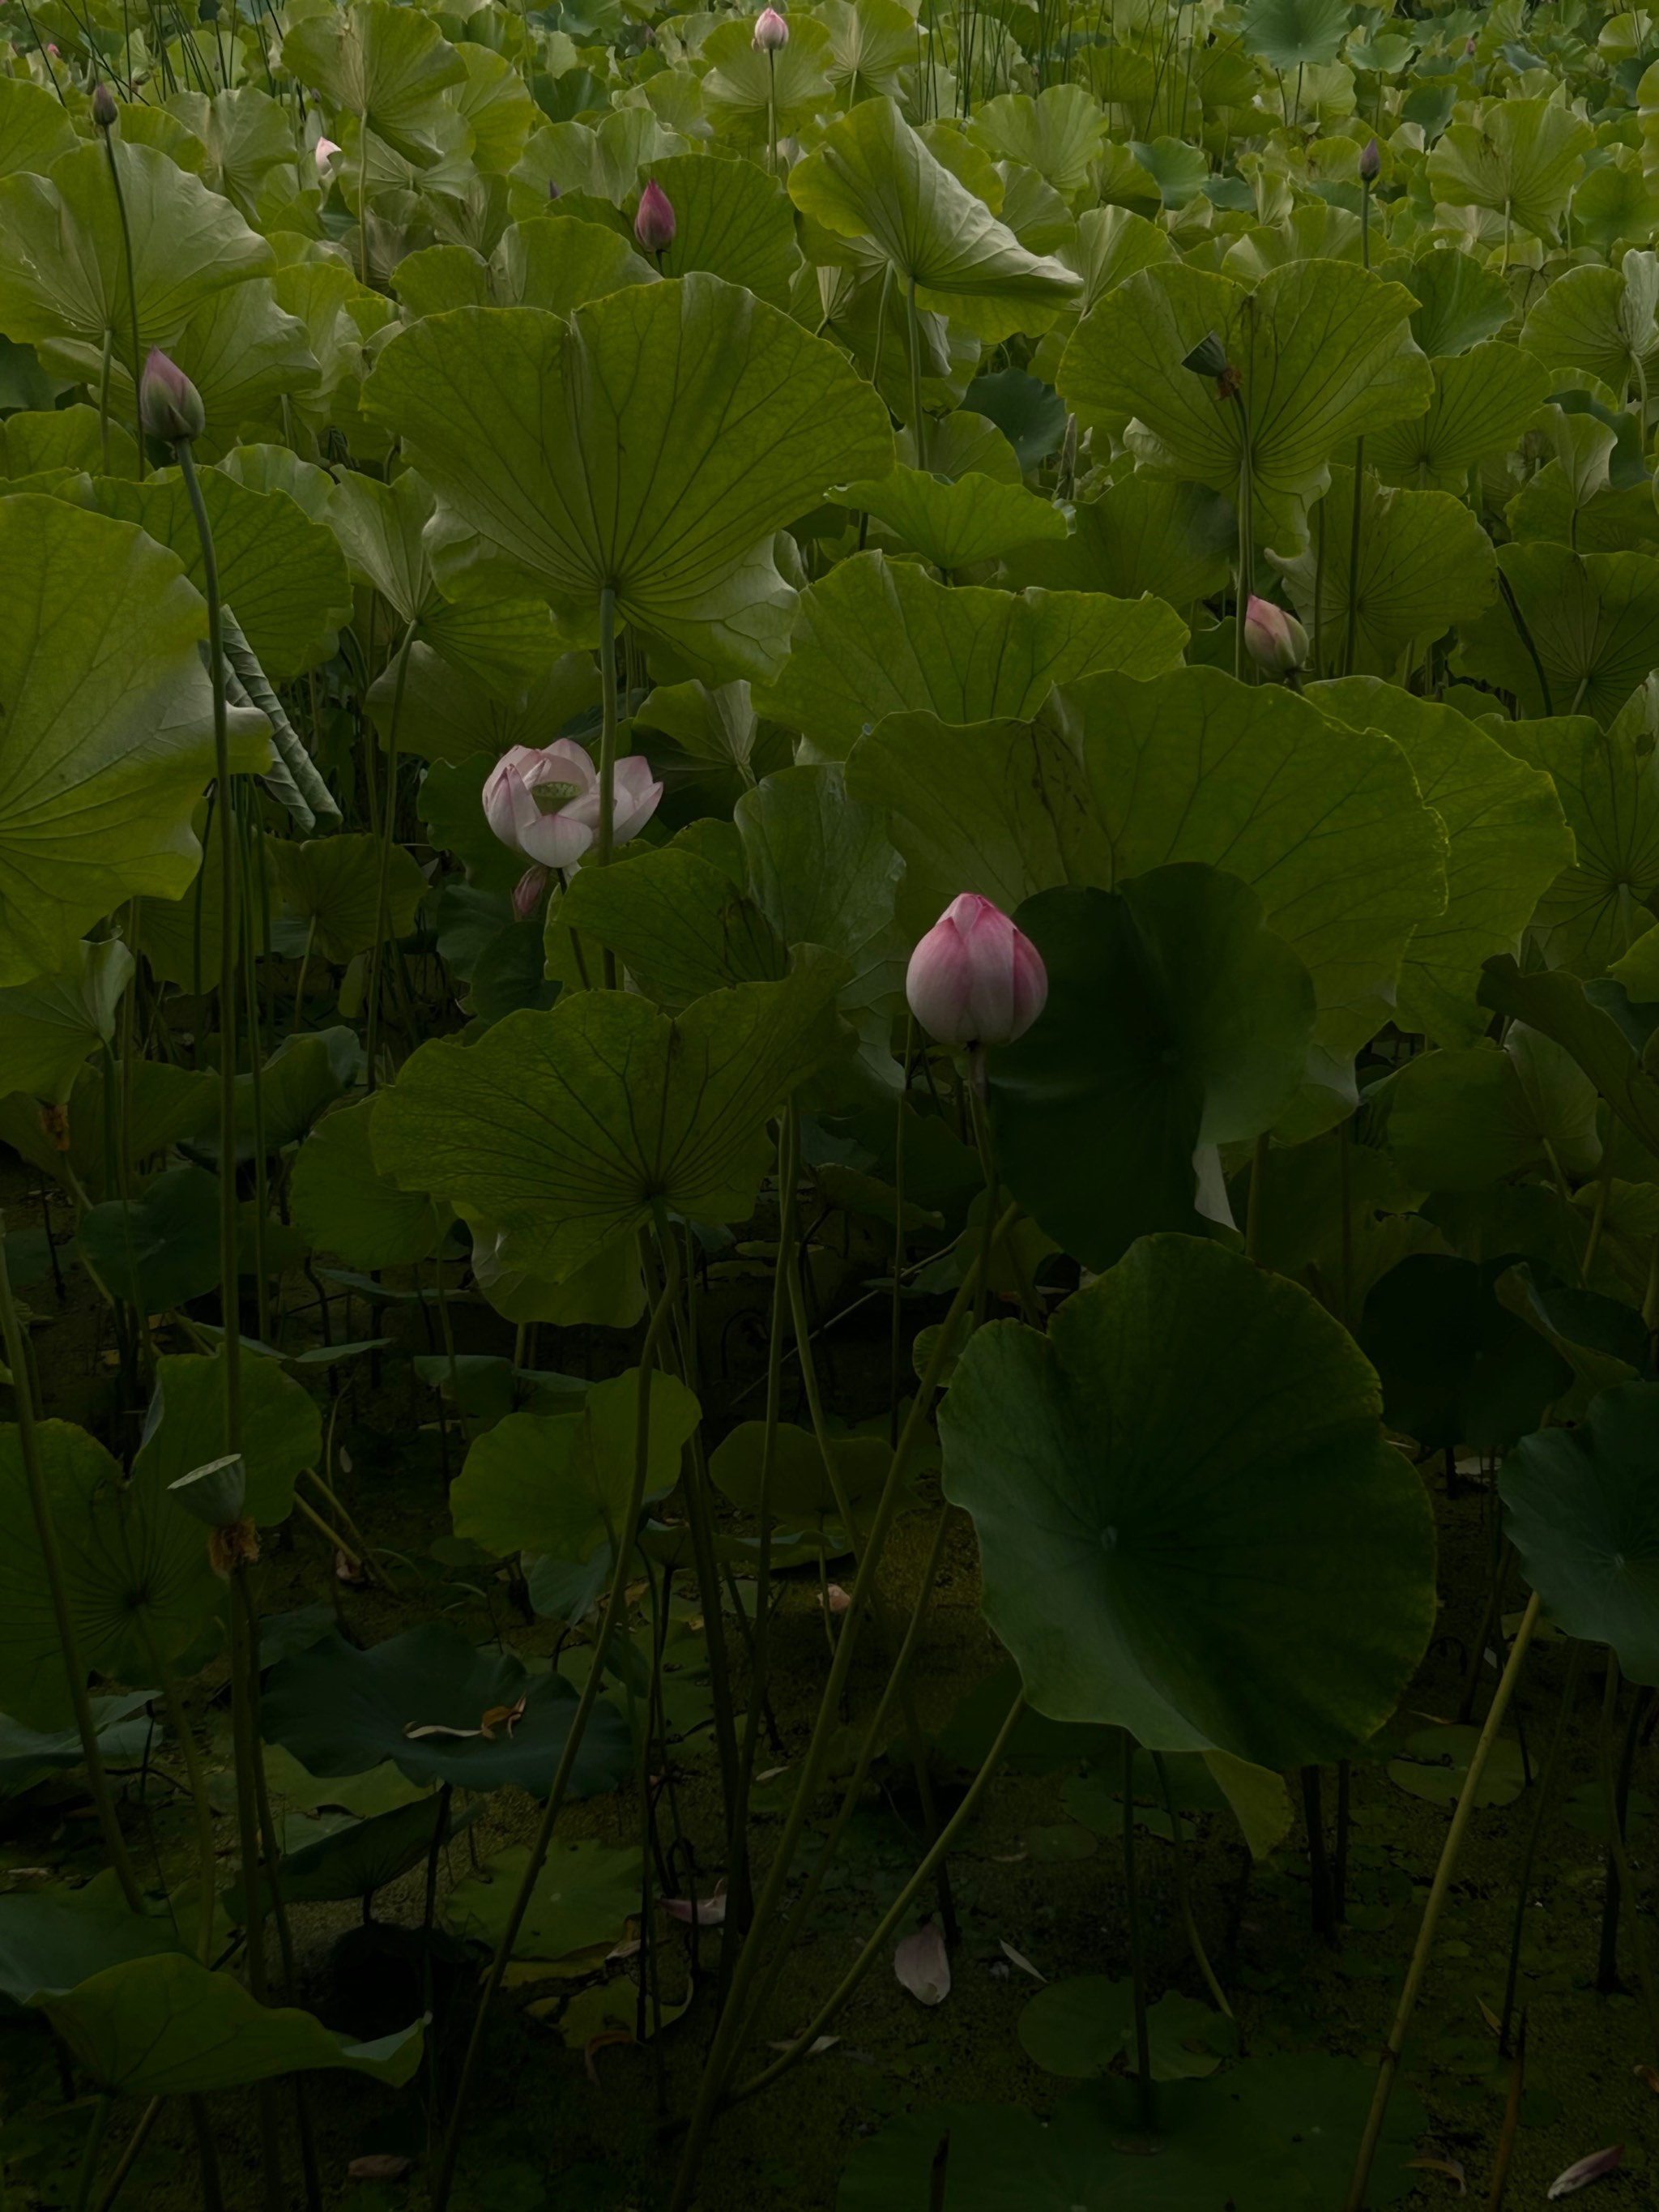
325,150
105,113
771,32
544,804
975,979
527,892
654,225
169,405
1371,162
1275,639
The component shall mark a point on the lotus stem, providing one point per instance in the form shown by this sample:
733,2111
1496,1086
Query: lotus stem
388,831
132,292
913,328
1534,1832
1183,1891
129,2158
94,2143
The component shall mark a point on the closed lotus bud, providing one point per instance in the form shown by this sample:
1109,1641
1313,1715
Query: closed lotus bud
169,405
325,150
1371,163
1276,640
771,32
654,225
104,113
975,979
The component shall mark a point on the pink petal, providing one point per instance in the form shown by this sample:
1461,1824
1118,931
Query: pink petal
380,2165
1599,2162
922,1965
840,1600
706,1911
1018,1959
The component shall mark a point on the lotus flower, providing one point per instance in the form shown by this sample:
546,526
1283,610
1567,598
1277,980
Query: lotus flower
1275,640
544,805
169,405
771,32
654,225
325,150
975,979
1371,162
105,113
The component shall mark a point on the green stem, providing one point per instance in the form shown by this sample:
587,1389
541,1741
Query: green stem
1137,1941
615,1606
1255,1204
895,1334
771,112
132,297
1183,1892
51,1561
94,2143
388,831
1350,632
1534,1832
196,1776
1438,1891
607,749
128,2157
912,330
103,395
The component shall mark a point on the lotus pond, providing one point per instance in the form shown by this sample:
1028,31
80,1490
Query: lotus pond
829,1106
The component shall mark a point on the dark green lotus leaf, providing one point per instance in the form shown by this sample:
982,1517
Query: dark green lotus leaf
1581,1509
1189,1522
1458,1368
1084,2026
1521,162
583,1896
355,1861
955,525
732,220
160,1248
55,1939
384,65
1175,1022
1591,629
1460,301
1144,533
125,1729
1295,33
537,1124
183,1429
1590,1027
332,886
340,1710
679,925
799,1490
343,1204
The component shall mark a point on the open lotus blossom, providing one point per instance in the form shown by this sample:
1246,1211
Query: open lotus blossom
169,405
975,979
654,226
325,150
543,804
1275,640
771,32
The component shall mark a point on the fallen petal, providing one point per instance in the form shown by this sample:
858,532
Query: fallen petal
1648,2074
923,1966
820,2045
1448,2166
1586,2170
839,1601
380,2165
1018,1959
704,1911
414,1731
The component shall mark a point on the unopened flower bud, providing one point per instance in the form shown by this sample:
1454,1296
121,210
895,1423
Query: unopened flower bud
654,225
1371,163
771,32
1275,640
105,113
975,979
169,405
325,150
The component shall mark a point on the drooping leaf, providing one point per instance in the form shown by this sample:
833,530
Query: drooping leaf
48,1027
343,1204
332,884
1457,1367
282,1431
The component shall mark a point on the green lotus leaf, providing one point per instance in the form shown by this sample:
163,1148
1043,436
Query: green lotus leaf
537,1125
332,885
603,163
387,66
184,1429
1462,1119
343,1204
251,360
123,1727
280,574
1508,841
353,1862
494,100
560,1483
1058,134
1323,349
48,1027
1327,826
544,262
873,47
1296,34
55,1939
872,177
821,867
1608,782
1483,401
1424,565
1144,534
1457,1367
740,89
451,708
34,127
593,455
879,637
299,1082
67,439
1175,1022
1615,204
955,525
679,925
1579,1508
168,1106
1243,1565
584,1896
166,2027
245,137
62,263
1556,1003
341,1711
136,1565
105,736
799,1490
1522,161
1177,169
1460,301
730,220
1601,321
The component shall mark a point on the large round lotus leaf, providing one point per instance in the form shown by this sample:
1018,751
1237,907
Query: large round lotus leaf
604,452
583,1896
1582,1509
339,1710
106,727
358,1859
341,1203
799,1488
1190,1522
1174,1022
1457,1367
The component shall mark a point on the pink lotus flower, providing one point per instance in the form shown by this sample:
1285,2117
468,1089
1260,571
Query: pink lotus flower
544,805
654,225
1275,639
169,405
325,150
975,979
771,32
